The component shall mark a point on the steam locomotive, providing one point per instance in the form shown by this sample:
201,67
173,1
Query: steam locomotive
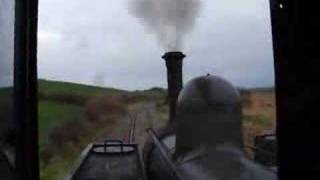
201,141
206,140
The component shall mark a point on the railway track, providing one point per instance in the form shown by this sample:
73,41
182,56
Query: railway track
132,127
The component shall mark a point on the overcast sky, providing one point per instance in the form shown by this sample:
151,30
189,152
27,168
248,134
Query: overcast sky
6,42
100,42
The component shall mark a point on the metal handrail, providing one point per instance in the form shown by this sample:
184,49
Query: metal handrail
4,157
108,142
267,135
261,150
164,154
255,149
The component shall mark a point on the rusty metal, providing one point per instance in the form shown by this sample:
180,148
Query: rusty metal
174,61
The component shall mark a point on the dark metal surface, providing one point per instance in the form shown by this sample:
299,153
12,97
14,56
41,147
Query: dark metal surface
223,163
174,61
150,153
109,160
6,170
296,37
265,151
208,114
165,154
25,89
215,163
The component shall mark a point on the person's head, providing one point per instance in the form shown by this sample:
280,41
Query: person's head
208,114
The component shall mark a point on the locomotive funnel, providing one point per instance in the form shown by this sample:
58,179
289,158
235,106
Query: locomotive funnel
174,77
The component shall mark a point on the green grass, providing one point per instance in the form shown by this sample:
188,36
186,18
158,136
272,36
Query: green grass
55,112
6,93
54,87
58,105
258,120
254,125
59,166
52,114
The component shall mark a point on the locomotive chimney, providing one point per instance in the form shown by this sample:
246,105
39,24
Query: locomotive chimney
174,77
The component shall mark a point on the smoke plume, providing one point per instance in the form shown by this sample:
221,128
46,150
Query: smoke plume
169,20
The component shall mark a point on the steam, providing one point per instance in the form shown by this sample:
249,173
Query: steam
169,20
99,79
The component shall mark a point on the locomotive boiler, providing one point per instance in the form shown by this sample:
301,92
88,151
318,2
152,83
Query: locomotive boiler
205,141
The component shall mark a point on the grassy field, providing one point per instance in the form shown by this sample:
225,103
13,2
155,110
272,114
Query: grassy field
59,104
53,87
53,114
74,115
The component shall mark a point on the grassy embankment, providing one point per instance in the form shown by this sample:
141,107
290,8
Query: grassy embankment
64,129
73,115
259,113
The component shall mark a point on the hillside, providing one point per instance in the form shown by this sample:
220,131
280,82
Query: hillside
59,88
74,115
